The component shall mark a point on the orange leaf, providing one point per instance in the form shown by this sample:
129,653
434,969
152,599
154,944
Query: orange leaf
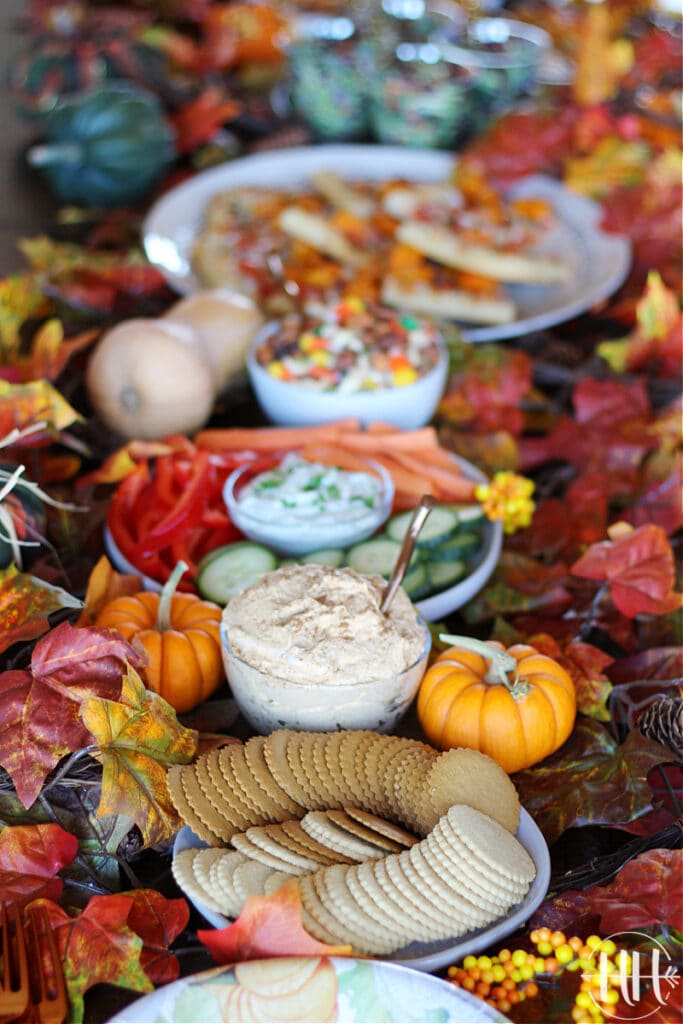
104,585
268,926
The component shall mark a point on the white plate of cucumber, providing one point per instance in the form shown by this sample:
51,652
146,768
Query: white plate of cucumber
457,551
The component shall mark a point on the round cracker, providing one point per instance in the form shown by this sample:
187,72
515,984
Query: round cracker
480,873
366,937
318,825
382,827
275,794
464,776
446,893
249,879
300,757
386,895
329,783
381,911
248,849
331,750
275,754
263,838
354,828
206,812
176,790
219,767
491,843
494,902
182,868
323,854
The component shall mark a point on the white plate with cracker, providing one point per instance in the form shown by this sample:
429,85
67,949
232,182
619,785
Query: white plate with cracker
597,262
310,989
433,956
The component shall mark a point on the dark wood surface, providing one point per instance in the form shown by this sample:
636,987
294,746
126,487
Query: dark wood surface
26,208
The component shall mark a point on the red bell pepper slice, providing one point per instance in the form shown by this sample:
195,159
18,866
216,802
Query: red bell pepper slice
185,514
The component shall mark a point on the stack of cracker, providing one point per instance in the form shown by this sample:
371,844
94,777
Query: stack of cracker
465,874
341,813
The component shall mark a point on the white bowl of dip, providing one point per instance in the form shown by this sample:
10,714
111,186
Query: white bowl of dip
300,506
292,403
335,649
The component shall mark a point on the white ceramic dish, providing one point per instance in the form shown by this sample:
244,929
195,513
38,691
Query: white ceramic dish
268,702
433,956
599,261
433,608
347,991
301,536
290,404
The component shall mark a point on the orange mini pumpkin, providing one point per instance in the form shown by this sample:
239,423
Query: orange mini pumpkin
516,705
180,634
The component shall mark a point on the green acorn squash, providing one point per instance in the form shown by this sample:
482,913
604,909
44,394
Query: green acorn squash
105,147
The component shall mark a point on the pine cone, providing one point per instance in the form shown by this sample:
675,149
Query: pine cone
663,722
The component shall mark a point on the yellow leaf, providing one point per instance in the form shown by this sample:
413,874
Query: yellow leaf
138,736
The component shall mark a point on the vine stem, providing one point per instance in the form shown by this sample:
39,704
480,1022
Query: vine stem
500,664
167,594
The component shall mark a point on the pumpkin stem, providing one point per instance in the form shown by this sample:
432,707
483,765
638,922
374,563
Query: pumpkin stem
500,664
167,595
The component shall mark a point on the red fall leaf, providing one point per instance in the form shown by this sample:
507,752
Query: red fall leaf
267,926
158,921
639,569
40,708
30,857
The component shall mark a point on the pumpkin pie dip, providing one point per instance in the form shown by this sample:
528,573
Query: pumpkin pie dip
313,625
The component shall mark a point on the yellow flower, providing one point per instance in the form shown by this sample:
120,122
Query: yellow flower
507,498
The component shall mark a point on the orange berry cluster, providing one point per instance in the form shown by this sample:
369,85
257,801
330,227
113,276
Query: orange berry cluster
508,978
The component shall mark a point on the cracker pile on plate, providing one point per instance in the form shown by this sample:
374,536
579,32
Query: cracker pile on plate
342,812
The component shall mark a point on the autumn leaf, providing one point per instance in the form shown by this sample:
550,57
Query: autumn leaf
21,299
486,388
655,343
26,602
105,584
647,891
23,405
585,664
97,946
40,707
660,504
139,736
198,121
590,780
158,921
268,926
639,568
30,857
520,584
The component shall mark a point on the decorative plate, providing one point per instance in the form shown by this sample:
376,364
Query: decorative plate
310,989
599,261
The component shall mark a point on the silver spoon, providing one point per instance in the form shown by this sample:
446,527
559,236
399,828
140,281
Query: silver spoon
427,503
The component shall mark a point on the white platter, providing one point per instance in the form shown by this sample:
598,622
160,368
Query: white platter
360,992
432,956
599,261
433,608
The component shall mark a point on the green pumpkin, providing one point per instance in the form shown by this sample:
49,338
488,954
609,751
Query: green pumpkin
105,147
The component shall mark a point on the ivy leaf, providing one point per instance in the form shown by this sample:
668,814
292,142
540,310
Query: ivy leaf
24,405
40,709
647,891
98,946
639,567
158,921
30,857
105,584
25,604
139,736
268,926
591,780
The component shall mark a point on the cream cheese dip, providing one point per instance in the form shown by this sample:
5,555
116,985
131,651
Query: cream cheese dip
308,647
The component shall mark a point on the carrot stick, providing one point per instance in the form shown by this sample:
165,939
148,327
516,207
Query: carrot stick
272,438
402,440
452,485
378,427
335,455
404,480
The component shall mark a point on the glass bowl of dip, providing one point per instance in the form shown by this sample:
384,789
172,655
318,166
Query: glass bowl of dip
300,506
337,380
326,701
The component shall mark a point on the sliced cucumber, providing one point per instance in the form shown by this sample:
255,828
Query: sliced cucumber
460,545
416,582
325,556
445,574
374,556
441,522
469,516
227,571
